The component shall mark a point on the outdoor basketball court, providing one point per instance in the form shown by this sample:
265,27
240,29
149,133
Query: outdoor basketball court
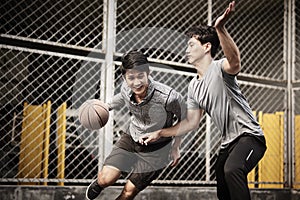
55,55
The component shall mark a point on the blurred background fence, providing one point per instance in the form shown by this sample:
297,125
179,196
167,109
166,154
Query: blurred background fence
54,55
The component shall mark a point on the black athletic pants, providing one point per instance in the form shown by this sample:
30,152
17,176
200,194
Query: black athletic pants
233,165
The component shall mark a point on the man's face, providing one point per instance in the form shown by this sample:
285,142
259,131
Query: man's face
195,51
137,81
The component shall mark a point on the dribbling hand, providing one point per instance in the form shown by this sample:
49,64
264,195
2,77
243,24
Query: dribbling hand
149,137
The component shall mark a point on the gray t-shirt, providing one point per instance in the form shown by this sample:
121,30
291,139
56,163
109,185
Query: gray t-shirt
159,109
218,93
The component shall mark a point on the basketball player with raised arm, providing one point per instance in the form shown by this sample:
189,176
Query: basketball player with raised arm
215,91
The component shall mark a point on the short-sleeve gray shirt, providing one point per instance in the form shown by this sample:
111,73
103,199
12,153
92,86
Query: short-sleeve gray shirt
218,93
158,110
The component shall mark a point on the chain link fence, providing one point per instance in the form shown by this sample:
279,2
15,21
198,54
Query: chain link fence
57,54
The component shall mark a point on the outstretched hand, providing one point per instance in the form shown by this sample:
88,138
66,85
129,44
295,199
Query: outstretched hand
149,137
223,18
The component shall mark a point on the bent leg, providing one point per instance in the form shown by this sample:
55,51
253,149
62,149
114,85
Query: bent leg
108,176
129,191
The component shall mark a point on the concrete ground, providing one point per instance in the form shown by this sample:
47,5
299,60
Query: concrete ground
150,193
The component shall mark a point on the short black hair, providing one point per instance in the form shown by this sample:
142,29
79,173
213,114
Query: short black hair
206,33
135,59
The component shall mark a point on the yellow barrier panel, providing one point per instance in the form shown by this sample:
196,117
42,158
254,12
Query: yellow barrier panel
35,133
61,141
271,166
297,151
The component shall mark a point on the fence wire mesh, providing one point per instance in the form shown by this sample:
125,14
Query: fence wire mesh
35,76
70,22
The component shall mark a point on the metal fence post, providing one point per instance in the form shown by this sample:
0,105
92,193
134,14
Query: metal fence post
107,76
288,40
209,12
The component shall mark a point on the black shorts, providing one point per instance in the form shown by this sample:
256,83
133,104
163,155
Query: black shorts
144,163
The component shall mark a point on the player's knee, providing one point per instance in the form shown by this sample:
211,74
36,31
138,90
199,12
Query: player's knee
104,180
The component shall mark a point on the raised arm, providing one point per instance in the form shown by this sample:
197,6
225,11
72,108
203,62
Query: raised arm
233,63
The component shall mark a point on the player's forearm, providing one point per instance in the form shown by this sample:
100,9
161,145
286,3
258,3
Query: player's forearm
179,129
229,47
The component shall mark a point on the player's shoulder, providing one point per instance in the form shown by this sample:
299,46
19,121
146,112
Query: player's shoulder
162,88
215,69
167,93
218,64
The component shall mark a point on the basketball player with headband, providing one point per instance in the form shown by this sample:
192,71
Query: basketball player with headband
153,106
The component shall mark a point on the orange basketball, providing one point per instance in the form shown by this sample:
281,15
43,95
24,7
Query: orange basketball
93,114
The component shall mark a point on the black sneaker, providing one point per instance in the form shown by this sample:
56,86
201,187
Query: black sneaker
93,190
